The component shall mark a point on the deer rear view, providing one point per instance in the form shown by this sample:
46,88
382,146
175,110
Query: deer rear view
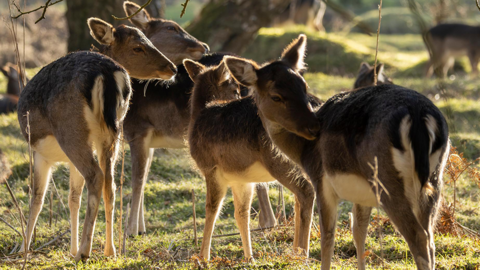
8,102
335,145
77,104
231,148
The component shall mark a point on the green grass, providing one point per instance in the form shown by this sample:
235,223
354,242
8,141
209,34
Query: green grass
168,243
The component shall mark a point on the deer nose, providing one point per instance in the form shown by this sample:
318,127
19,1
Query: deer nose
207,48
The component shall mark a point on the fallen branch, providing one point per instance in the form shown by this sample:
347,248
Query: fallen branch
53,240
8,224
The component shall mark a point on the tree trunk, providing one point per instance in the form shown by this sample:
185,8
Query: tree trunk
78,11
230,26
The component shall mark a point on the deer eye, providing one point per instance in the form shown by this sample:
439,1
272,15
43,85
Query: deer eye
171,28
138,49
276,98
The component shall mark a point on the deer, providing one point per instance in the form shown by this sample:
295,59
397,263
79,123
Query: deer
366,76
8,102
159,114
77,104
447,41
335,145
231,148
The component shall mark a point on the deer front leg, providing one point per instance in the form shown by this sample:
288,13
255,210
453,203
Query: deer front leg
216,191
266,217
242,200
140,167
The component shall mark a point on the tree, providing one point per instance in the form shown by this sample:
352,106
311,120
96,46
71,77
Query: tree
230,26
78,11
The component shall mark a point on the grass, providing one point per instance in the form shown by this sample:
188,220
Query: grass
169,243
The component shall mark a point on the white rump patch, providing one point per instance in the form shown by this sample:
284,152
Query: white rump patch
50,150
122,79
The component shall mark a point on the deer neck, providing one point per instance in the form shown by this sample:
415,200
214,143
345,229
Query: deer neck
289,143
202,94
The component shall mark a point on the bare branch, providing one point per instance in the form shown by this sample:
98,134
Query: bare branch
376,48
135,13
21,13
184,5
13,228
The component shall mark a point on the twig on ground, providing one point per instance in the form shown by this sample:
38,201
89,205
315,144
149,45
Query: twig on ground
184,5
124,250
194,218
135,13
53,240
122,175
376,48
8,224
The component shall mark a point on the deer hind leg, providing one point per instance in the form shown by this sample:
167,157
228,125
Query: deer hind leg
266,217
242,200
216,191
140,167
41,178
361,218
141,215
107,154
74,201
418,239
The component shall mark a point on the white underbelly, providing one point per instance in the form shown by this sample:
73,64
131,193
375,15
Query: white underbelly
166,142
256,173
352,188
49,148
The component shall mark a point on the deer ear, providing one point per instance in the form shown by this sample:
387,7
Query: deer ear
140,19
364,67
294,54
222,73
242,70
380,68
5,70
101,31
193,68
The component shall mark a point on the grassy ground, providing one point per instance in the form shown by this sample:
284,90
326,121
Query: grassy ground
169,241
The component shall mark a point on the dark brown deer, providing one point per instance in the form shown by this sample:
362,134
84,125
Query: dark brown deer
232,149
447,41
8,102
336,144
78,103
366,76
159,113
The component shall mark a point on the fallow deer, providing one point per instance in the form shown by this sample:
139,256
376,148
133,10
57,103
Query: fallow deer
159,113
447,41
8,102
78,103
366,76
232,149
336,144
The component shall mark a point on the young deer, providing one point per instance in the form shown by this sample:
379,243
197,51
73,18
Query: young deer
366,76
159,114
232,149
8,102
336,144
78,103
